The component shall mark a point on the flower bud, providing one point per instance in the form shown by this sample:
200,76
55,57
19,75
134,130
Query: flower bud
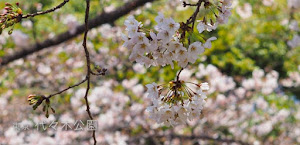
19,11
7,4
10,31
7,8
32,99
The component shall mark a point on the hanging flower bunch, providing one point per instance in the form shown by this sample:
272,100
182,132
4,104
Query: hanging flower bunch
168,43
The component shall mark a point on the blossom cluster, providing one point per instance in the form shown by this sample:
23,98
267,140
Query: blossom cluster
244,11
293,79
224,9
267,83
162,47
167,110
165,45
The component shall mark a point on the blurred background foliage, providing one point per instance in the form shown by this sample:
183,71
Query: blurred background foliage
259,41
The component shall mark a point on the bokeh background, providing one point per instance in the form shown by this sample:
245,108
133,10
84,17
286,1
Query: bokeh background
253,70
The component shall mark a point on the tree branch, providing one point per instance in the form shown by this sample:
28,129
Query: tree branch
67,88
60,38
88,62
47,11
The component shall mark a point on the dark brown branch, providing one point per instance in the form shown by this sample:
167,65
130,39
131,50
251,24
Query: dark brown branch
47,11
191,20
187,4
177,77
60,38
67,88
88,62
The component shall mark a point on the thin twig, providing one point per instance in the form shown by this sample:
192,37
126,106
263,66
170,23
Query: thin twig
47,11
191,20
187,4
88,62
177,78
87,55
67,88
196,13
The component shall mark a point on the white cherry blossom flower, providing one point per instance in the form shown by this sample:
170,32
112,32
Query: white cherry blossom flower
165,36
208,27
160,18
170,25
194,50
131,22
152,90
207,44
201,27
141,48
170,111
